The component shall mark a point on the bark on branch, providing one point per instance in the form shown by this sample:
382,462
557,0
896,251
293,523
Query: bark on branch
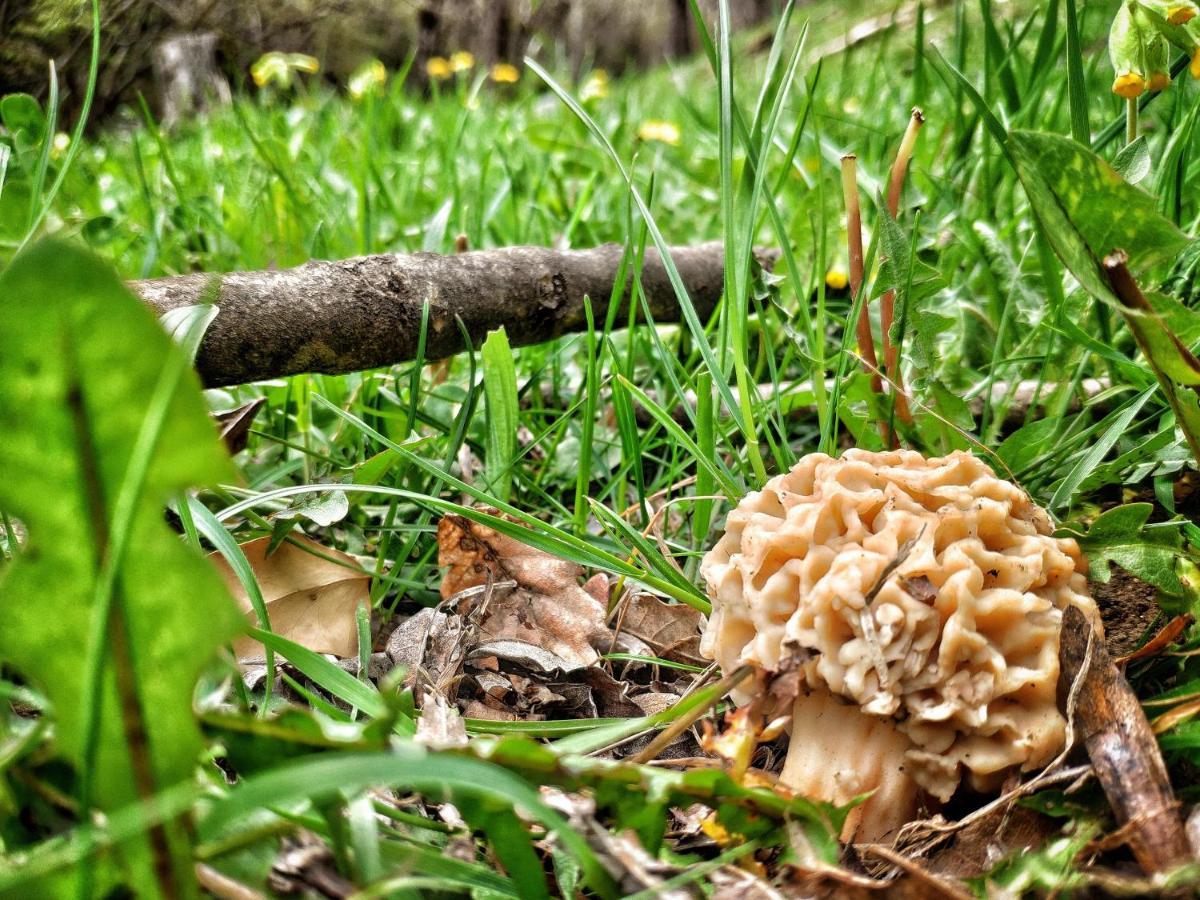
363,313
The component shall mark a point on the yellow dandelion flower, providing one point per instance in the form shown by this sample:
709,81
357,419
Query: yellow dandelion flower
836,280
438,68
657,130
596,86
1194,68
462,61
504,73
1159,81
1130,85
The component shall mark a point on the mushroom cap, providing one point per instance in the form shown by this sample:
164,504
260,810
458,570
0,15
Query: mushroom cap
959,645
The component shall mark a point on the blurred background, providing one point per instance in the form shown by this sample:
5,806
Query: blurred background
342,34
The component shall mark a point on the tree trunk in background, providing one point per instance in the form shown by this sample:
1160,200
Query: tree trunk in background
185,70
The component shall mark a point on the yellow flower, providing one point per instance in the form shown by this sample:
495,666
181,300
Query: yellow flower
1195,66
503,73
656,130
1130,85
438,68
596,86
369,77
461,61
836,280
1159,81
278,68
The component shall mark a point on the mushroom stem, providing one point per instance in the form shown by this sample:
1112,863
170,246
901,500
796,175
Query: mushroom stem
838,752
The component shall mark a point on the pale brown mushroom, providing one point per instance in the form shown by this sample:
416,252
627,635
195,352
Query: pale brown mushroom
913,675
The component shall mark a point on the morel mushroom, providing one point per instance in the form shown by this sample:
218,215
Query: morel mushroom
921,602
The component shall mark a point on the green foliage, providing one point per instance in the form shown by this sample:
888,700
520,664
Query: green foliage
500,390
1152,553
106,612
619,422
1087,210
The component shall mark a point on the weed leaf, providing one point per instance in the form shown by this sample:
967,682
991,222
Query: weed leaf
1087,210
1120,536
103,420
500,389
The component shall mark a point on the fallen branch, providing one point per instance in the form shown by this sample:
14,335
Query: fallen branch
1123,750
363,313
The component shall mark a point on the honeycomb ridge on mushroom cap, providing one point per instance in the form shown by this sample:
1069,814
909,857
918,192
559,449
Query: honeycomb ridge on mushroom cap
959,645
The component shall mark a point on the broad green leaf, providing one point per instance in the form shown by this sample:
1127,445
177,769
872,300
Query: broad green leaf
1132,161
500,390
1086,210
1120,536
107,612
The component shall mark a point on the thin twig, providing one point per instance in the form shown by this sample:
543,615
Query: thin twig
684,722
887,308
854,247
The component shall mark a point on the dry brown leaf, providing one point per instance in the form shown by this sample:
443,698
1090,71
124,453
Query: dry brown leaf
672,630
310,599
429,647
235,424
440,727
548,609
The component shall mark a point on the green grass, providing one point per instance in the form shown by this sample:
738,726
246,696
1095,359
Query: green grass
278,179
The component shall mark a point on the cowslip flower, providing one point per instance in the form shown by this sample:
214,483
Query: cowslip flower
1129,85
279,69
505,73
596,86
1140,40
438,68
462,61
658,130
1175,12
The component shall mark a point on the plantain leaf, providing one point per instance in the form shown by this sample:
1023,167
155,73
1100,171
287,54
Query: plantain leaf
107,612
1086,210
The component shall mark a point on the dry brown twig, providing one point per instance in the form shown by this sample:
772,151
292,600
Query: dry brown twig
349,315
854,248
887,307
1123,750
